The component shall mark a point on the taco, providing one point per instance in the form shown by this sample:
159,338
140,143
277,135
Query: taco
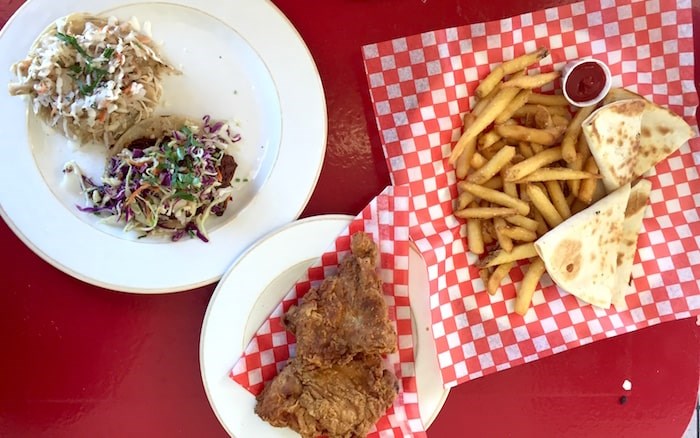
166,174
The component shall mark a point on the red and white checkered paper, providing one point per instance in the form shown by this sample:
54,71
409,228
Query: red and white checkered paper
421,86
386,219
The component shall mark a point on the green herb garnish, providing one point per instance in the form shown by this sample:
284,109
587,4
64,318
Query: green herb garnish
96,74
184,195
70,40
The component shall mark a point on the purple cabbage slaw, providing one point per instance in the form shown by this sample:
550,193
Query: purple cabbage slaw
170,187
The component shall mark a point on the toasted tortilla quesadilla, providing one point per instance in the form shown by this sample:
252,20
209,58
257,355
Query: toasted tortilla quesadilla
629,137
634,214
580,254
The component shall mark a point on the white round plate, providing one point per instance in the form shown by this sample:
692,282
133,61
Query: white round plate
254,286
241,61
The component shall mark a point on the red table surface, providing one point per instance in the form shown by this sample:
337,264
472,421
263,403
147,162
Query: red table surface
78,360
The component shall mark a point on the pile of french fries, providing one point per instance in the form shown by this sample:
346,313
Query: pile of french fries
523,167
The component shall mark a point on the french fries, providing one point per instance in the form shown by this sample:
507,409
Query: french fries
557,174
546,137
484,212
530,82
528,286
568,144
536,162
496,197
483,120
548,99
544,205
523,167
493,166
500,256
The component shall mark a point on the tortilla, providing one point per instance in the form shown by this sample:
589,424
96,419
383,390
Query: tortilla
152,128
580,254
634,214
629,137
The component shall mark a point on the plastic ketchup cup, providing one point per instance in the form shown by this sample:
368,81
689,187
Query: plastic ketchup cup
586,82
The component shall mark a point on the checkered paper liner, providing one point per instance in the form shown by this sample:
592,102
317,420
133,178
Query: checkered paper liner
421,86
386,219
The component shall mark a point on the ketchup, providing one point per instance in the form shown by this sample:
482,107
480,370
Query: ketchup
585,82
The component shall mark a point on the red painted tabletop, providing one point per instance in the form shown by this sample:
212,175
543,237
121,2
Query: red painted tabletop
77,360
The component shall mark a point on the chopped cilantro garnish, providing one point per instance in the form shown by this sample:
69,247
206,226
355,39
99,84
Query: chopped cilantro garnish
184,195
70,40
107,54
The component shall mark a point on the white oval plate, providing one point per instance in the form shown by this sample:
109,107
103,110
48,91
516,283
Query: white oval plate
254,286
234,68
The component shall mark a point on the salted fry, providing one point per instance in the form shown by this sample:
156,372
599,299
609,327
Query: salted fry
493,166
524,61
582,148
478,161
466,198
484,102
556,174
496,197
558,120
518,233
490,82
462,166
488,232
523,222
528,286
582,154
484,275
483,120
547,137
542,118
544,205
548,99
568,144
488,138
542,227
525,149
588,186
505,242
499,257
509,188
484,212
490,151
537,161
494,281
518,101
558,199
533,81
537,148
530,109
475,240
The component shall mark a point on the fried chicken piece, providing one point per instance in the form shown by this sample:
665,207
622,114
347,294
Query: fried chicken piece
347,314
342,401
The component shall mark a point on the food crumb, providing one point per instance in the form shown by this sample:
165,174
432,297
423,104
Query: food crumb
626,385
623,399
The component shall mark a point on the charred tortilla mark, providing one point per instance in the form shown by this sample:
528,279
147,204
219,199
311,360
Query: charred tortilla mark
663,130
568,255
646,132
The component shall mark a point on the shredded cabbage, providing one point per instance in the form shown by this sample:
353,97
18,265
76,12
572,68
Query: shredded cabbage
169,187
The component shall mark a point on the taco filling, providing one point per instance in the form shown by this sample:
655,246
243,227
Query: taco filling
167,177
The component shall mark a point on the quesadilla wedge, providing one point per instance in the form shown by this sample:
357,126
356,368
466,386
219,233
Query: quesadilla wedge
629,137
580,254
634,214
